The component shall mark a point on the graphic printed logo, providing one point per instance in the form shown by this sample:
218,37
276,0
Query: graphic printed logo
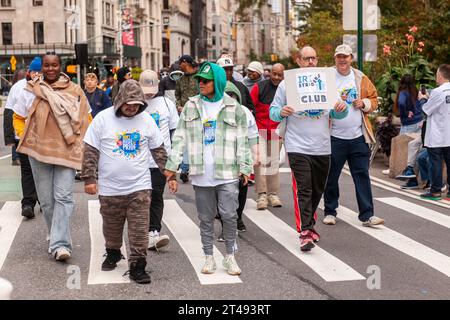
312,87
348,95
128,144
209,130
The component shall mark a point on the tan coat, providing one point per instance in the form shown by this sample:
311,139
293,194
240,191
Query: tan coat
56,124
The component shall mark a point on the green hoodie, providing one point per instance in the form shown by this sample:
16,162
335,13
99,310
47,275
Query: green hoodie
220,81
231,88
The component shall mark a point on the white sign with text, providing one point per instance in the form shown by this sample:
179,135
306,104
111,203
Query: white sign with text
311,88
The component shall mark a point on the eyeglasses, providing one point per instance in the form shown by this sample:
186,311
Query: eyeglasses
309,58
204,81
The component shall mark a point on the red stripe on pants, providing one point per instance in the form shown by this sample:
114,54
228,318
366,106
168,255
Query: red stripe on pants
298,220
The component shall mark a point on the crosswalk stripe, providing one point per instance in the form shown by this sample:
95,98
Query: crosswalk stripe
96,275
380,183
187,234
323,263
396,240
10,220
417,210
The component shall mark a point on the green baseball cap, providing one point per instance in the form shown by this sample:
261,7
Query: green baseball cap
205,72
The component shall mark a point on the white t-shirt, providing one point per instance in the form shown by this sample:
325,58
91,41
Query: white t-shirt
349,127
307,132
210,110
165,114
252,127
124,145
23,102
14,94
437,109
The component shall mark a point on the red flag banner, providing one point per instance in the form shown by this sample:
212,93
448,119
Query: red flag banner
127,28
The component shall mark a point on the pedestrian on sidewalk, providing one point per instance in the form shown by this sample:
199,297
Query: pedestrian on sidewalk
437,110
29,195
119,144
351,135
57,114
267,176
165,114
307,140
408,106
213,129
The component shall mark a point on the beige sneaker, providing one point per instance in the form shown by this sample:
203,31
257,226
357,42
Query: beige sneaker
210,265
156,241
229,263
62,254
373,221
262,202
274,200
329,220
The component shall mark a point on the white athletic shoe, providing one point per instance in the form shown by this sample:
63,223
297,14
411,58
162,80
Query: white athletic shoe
329,220
210,265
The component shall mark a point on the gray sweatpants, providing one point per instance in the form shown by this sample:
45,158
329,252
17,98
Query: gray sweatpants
224,198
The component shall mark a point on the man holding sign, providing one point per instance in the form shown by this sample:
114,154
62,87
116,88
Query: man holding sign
307,137
350,136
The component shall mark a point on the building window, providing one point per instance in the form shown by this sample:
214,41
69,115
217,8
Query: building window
7,33
213,41
108,14
37,3
109,46
38,28
166,4
6,3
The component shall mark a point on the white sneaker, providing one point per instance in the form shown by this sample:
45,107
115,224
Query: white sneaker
386,172
329,220
62,254
229,263
210,265
156,241
48,237
274,200
373,221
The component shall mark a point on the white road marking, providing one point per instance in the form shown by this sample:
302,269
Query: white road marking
320,261
392,238
187,234
417,210
96,275
10,220
4,157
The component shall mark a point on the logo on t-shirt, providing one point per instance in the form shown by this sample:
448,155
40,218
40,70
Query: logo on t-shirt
348,95
209,130
156,116
128,144
447,99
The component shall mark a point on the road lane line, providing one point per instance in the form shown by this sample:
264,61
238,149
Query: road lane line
320,261
187,234
10,220
4,157
96,275
396,240
417,210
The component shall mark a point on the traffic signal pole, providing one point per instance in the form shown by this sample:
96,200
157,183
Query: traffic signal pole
360,35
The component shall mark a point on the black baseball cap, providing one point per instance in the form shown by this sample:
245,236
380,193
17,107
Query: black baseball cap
187,58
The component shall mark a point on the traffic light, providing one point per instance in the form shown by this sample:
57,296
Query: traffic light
273,57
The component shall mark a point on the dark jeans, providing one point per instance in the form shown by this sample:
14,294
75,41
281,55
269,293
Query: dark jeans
357,153
436,157
425,167
30,197
14,154
310,173
157,201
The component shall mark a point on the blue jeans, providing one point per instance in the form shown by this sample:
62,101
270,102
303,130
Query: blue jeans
54,186
436,157
425,167
357,153
412,128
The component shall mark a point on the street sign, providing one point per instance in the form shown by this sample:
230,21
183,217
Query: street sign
370,44
13,62
371,15
71,68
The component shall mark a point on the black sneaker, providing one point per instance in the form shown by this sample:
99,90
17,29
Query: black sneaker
78,176
241,226
411,184
28,212
184,176
137,271
408,173
112,257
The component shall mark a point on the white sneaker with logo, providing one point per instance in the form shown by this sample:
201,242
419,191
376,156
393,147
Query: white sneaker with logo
229,263
373,221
